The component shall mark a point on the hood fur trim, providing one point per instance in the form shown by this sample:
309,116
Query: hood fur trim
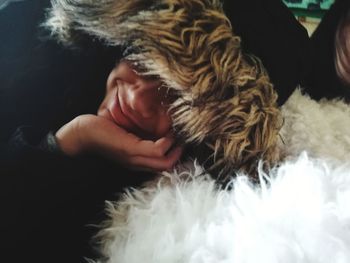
225,99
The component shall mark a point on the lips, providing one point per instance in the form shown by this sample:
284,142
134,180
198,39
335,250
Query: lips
121,118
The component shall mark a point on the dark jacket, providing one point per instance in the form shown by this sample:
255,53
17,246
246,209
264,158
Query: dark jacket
323,82
270,31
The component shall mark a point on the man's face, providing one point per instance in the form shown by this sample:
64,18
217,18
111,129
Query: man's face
136,103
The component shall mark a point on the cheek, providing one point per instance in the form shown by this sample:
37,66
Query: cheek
107,98
102,108
163,126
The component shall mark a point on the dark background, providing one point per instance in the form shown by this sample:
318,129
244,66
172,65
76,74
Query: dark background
39,79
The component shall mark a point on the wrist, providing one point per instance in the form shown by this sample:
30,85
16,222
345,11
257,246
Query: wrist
49,143
68,139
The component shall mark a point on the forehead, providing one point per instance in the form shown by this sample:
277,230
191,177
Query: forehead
126,70
131,72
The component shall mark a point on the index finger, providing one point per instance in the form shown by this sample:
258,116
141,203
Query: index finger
157,148
158,164
148,148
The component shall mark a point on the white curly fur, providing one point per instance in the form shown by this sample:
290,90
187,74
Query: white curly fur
301,216
300,213
320,128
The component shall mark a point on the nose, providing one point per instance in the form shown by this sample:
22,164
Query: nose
143,98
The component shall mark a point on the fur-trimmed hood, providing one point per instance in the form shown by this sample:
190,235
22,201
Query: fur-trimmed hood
226,103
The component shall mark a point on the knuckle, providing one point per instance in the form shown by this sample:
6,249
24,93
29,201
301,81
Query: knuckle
159,151
168,164
81,120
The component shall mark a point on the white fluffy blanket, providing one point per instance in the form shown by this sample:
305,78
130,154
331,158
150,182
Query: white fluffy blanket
300,213
320,128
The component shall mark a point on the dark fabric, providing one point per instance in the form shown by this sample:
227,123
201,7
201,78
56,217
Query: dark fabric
323,81
42,83
47,199
270,31
26,136
49,143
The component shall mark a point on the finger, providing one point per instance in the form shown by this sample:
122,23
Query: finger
113,139
158,164
147,148
164,144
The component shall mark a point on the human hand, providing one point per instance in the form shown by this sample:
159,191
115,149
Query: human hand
91,133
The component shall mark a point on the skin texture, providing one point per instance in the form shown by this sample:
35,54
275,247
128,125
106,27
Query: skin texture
342,50
131,127
226,104
136,103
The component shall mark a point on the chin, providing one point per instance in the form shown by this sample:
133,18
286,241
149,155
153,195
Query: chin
104,113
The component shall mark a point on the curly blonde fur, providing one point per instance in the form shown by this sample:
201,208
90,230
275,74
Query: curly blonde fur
225,102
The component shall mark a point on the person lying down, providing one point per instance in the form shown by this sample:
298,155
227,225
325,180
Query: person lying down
223,105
